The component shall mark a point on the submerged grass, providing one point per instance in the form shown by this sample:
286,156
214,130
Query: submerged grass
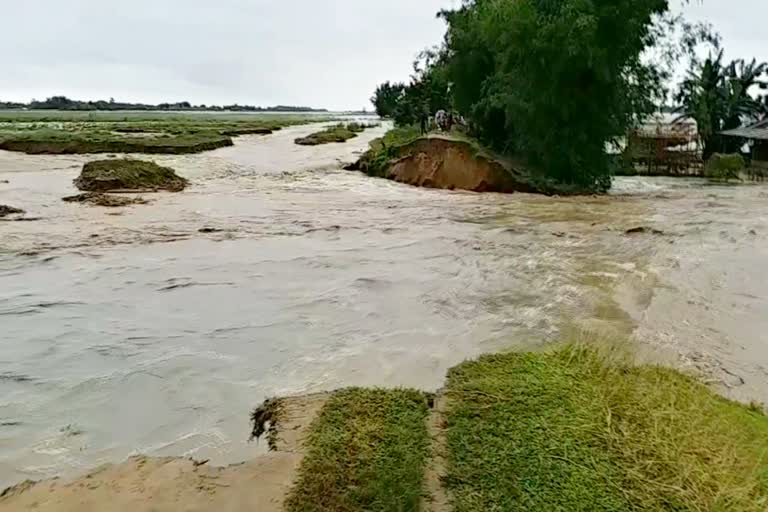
573,430
334,134
367,450
66,133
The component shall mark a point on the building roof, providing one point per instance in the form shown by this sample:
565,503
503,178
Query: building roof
758,131
666,126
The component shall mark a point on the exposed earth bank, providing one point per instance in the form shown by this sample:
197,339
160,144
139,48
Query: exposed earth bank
445,162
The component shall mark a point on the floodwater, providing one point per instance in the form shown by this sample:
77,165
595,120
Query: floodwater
131,331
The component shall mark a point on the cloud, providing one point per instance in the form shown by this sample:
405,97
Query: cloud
741,23
329,54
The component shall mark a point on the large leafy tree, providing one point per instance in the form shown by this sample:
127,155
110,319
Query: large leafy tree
720,97
553,81
386,98
428,90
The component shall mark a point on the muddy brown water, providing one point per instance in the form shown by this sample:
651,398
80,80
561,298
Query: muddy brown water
129,330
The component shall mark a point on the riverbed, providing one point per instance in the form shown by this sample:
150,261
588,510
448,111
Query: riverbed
156,328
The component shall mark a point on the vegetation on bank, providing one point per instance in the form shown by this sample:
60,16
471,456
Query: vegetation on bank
524,97
84,133
128,174
724,167
440,158
721,97
383,150
334,134
502,68
367,450
574,430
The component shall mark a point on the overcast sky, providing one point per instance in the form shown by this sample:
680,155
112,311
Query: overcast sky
321,53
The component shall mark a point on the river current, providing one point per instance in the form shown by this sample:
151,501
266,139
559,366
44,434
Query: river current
156,328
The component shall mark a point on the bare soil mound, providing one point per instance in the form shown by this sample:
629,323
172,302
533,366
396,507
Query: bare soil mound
447,163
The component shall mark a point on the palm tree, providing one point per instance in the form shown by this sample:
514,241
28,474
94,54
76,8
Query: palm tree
718,98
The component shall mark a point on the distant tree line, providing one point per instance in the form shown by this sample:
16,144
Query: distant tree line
64,103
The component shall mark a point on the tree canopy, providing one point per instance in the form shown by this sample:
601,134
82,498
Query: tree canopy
554,82
548,82
386,98
426,92
720,97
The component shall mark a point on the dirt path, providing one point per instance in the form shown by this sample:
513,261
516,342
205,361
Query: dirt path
437,498
144,484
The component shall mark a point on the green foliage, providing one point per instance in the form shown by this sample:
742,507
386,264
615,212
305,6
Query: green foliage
553,82
111,132
426,93
367,450
719,98
386,98
333,134
128,174
575,430
357,127
724,167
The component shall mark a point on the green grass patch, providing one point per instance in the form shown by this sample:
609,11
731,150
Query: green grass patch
128,174
721,167
334,134
367,450
383,150
573,430
84,133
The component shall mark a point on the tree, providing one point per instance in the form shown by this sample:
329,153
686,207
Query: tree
427,92
386,97
552,82
719,97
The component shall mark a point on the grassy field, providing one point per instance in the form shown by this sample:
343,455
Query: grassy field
367,450
577,431
571,430
334,134
53,132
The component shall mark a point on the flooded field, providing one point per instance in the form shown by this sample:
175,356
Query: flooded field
156,328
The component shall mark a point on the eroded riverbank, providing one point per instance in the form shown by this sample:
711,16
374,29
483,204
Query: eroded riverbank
138,333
